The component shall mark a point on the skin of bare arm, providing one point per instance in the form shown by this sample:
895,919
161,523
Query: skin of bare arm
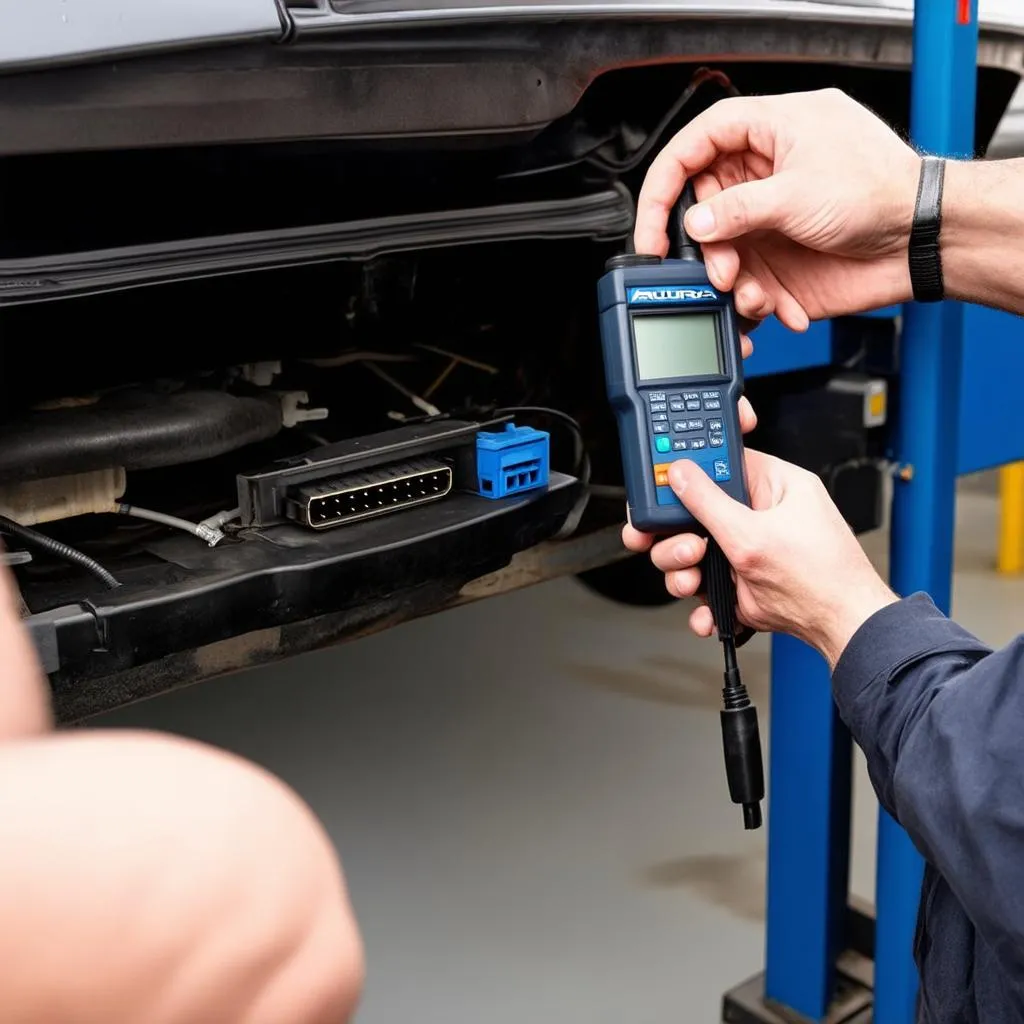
147,878
983,233
25,703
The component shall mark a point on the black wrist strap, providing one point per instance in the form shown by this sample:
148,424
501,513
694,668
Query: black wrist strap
925,253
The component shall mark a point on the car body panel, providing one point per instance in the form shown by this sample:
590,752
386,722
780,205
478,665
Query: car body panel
352,14
492,78
1009,140
58,33
47,32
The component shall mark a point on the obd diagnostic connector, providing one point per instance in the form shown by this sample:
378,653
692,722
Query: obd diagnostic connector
363,477
379,474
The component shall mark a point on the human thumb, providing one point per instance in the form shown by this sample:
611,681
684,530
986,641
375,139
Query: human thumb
723,517
740,209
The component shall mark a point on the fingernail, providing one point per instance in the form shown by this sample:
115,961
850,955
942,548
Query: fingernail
700,221
684,553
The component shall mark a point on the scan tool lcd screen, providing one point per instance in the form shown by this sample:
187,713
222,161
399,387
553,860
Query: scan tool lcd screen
677,346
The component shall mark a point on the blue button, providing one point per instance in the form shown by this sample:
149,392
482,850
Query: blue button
721,470
662,444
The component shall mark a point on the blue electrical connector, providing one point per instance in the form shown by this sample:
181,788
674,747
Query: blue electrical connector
511,461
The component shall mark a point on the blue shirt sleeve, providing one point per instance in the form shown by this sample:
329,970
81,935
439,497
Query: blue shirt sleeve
940,718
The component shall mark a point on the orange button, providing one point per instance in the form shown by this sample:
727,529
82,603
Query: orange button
661,475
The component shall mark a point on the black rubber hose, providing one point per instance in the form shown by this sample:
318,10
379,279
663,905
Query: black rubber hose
134,429
59,549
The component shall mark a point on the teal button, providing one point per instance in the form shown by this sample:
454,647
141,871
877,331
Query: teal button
663,444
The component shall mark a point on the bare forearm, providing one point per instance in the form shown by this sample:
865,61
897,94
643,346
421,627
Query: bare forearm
172,883
25,705
838,620
983,233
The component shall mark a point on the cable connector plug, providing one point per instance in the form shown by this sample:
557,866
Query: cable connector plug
681,242
741,736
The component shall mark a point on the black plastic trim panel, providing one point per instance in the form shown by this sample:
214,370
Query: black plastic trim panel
200,596
601,216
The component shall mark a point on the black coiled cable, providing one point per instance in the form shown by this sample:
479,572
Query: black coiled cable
35,539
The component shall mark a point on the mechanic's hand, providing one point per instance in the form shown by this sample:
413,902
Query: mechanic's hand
805,204
799,568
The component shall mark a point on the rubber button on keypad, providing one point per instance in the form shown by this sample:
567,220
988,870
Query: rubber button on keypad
698,443
656,396
659,417
660,428
659,406
677,406
715,425
716,440
712,406
680,444
693,406
662,444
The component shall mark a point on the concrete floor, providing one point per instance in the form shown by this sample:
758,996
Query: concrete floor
528,800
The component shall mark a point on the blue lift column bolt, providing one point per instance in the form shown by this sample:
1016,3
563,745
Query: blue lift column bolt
944,94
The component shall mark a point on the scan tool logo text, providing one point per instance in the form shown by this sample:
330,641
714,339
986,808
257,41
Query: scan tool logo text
655,296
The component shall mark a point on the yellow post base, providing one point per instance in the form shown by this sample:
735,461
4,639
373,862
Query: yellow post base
1011,519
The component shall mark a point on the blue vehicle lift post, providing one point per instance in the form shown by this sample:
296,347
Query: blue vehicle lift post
944,95
810,778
